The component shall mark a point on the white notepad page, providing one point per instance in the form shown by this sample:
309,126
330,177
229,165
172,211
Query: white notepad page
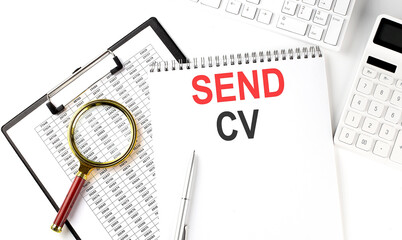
279,184
117,202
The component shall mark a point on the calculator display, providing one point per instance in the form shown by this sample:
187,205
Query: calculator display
389,35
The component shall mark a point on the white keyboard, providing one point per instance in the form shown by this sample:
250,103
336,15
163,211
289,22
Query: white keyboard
319,22
371,122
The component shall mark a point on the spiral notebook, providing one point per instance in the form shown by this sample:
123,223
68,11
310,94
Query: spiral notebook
260,125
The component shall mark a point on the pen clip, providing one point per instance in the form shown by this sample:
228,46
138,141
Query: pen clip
185,235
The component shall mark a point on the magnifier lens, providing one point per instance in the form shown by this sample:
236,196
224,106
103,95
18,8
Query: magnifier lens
102,134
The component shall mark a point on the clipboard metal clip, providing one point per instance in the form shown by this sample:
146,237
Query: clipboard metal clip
76,74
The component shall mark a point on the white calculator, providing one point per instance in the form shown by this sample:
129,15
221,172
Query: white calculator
318,22
371,120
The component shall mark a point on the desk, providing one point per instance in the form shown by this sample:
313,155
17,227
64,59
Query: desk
44,41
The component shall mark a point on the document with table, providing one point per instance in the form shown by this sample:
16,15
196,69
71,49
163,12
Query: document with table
260,127
118,202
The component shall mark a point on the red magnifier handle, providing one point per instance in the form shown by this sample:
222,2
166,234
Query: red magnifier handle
68,203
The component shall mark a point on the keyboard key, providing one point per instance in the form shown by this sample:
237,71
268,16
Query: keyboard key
359,103
386,79
289,7
382,92
396,154
334,30
305,13
212,3
321,17
311,2
249,12
342,6
392,115
311,12
365,86
364,142
347,136
368,72
387,132
292,25
264,16
396,99
399,84
370,125
375,109
254,1
315,33
325,4
353,119
381,149
233,7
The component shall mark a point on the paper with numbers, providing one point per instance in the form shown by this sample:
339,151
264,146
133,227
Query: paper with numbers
262,135
117,202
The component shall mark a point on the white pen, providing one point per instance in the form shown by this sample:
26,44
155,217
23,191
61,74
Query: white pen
181,230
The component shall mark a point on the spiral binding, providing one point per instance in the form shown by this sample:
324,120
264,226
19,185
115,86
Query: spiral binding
239,59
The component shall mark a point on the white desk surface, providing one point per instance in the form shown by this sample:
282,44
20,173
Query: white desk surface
43,41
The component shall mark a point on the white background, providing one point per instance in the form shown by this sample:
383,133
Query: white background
42,42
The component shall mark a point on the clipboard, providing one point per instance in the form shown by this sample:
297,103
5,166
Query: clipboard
47,98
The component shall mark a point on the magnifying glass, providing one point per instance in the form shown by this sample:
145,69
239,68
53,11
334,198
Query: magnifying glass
102,133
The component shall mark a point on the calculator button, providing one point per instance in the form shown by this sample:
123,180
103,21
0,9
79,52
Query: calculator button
386,79
347,136
375,109
334,30
311,2
381,92
321,17
212,3
249,12
393,115
315,33
396,99
342,6
305,13
264,16
292,25
370,125
289,7
359,103
399,84
365,86
381,149
325,4
369,72
364,142
233,7
396,154
353,119
387,132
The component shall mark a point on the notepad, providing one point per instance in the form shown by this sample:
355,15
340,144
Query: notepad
260,125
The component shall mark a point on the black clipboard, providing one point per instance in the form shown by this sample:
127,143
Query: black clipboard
164,37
